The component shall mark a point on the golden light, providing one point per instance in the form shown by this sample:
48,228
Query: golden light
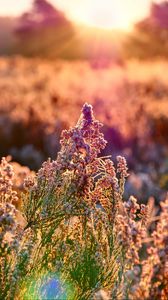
102,14
107,14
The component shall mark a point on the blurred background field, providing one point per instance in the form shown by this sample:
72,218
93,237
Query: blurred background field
51,64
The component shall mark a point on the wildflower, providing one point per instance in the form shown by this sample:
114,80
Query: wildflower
132,206
122,166
29,183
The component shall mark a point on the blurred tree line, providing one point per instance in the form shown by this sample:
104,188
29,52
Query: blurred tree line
150,36
43,31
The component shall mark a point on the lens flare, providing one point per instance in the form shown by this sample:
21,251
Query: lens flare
48,287
53,289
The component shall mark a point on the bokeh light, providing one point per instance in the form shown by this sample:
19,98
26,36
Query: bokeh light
48,286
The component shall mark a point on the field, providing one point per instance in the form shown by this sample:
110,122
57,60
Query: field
40,98
70,234
74,229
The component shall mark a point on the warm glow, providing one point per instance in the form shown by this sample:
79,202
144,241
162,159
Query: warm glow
108,14
103,14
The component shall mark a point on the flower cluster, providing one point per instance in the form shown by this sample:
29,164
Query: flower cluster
7,194
153,281
133,231
81,144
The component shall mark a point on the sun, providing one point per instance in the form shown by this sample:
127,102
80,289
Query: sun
107,14
103,14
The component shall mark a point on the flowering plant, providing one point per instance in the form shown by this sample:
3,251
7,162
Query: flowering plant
74,235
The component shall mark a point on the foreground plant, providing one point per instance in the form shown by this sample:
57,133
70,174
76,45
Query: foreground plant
74,236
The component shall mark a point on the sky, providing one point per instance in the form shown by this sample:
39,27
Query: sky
98,13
